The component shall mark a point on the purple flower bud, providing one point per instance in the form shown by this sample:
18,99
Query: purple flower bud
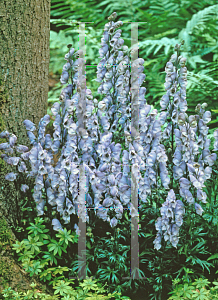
31,137
207,116
13,160
56,225
106,36
64,77
4,134
69,54
48,141
29,125
4,146
210,159
11,176
25,155
12,140
55,108
184,183
22,148
66,67
113,222
24,188
198,209
45,120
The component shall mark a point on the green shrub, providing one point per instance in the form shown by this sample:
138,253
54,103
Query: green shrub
39,251
194,290
87,290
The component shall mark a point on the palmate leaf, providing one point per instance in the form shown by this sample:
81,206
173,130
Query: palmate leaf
62,288
50,257
55,247
65,236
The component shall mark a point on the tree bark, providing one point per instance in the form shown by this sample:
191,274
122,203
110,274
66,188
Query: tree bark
24,68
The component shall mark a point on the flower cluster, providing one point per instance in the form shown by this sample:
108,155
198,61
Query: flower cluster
115,113
190,135
79,141
172,211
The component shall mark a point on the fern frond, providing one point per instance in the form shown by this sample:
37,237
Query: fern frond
165,33
192,60
211,69
165,5
196,21
61,22
201,17
197,79
158,44
205,50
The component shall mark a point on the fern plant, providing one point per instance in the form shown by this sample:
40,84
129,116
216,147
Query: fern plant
193,21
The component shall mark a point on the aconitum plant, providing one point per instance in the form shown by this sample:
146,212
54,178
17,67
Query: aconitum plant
87,135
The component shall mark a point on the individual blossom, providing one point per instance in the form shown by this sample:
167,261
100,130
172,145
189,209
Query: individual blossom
56,225
11,176
24,188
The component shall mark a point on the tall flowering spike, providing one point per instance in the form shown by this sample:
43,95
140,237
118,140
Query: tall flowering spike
72,139
112,76
77,140
190,134
31,137
114,111
171,220
173,103
173,106
188,149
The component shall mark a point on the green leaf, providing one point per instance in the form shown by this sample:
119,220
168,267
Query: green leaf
214,256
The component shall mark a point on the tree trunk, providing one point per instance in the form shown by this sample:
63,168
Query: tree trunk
24,67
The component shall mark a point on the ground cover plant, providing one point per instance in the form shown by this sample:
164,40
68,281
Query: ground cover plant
171,157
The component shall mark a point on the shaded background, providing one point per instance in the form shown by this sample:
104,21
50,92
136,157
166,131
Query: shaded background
167,23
